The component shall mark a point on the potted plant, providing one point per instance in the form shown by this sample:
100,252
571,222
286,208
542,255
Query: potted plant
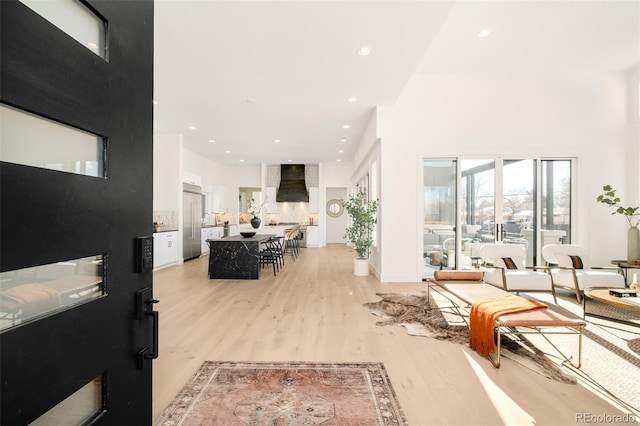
632,215
360,233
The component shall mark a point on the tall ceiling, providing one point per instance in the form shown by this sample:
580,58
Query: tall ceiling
246,74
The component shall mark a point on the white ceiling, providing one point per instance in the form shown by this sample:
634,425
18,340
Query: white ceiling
246,73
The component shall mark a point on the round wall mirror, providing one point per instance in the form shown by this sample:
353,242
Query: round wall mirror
335,208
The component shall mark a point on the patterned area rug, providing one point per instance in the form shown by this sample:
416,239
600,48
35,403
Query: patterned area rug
285,393
422,316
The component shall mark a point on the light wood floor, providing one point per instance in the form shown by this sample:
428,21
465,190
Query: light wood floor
312,311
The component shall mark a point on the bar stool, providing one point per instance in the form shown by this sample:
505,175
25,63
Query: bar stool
278,248
291,242
269,255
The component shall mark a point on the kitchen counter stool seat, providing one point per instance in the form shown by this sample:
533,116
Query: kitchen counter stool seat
278,247
269,255
292,242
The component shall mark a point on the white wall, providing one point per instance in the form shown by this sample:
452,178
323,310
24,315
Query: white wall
167,159
633,117
336,225
250,176
563,115
335,174
331,175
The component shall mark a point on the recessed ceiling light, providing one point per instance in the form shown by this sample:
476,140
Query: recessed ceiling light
242,161
155,102
289,161
343,139
346,126
227,152
192,127
484,33
92,45
340,151
364,51
338,160
276,140
352,100
212,141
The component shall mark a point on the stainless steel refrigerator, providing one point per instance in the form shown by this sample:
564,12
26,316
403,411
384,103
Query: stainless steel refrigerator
191,219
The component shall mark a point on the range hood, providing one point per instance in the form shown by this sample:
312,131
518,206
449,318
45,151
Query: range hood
293,187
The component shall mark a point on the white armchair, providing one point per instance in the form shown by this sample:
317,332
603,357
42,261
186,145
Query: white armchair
506,268
570,269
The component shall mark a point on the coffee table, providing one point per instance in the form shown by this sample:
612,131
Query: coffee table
601,294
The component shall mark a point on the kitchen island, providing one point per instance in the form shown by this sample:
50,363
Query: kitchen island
235,257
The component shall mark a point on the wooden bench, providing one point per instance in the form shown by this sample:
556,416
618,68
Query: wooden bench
469,288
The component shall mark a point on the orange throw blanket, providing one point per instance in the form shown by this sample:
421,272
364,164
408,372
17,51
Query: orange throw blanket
483,316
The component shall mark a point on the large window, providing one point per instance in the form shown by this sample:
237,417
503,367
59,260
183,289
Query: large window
556,199
471,202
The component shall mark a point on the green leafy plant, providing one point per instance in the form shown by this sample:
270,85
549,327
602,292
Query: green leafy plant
609,198
363,217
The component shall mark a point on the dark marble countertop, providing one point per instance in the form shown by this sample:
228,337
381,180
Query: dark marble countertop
257,237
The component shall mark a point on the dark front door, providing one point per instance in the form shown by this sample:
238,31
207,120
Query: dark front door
76,320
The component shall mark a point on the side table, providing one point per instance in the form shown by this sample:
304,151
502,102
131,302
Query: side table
624,266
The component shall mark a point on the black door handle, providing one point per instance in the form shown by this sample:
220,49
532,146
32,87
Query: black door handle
144,310
156,322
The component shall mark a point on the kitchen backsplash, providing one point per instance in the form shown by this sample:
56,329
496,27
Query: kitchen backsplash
166,219
289,212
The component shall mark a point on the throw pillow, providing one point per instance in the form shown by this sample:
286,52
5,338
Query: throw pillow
572,261
576,261
509,263
513,262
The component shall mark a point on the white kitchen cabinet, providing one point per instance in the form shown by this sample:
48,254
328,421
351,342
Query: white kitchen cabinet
220,199
191,178
314,200
209,234
313,236
272,205
165,249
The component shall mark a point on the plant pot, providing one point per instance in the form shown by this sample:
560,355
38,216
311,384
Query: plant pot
360,267
633,244
255,222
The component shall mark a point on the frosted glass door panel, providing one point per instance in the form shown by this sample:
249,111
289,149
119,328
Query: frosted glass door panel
34,141
75,19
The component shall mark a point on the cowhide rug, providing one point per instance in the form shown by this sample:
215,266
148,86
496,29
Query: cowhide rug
421,317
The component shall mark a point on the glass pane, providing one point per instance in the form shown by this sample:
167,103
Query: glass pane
477,209
78,408
439,215
556,202
75,19
518,205
29,293
34,141
478,203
